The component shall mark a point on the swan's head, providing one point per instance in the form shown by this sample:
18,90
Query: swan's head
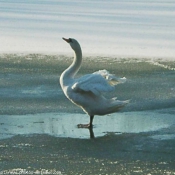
73,43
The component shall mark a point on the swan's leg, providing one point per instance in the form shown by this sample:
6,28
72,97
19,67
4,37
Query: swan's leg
91,121
89,125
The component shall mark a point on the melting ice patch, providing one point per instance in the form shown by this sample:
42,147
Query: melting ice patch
65,124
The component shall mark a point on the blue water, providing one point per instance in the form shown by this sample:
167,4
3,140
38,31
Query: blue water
117,28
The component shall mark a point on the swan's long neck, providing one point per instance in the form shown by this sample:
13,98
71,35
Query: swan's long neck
75,66
71,71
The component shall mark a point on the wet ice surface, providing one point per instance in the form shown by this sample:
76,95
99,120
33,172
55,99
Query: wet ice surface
65,124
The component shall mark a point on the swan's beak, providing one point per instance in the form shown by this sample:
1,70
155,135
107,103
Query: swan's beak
67,40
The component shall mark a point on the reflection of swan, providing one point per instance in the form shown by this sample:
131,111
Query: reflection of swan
86,91
91,133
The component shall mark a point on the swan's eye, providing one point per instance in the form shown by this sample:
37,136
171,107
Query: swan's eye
70,40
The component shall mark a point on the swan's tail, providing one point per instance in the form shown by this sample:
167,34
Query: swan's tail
116,105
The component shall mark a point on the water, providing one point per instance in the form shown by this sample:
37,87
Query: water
118,28
64,125
38,125
32,101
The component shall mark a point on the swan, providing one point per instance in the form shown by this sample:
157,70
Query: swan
86,91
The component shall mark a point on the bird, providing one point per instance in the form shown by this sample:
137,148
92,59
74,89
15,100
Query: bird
87,92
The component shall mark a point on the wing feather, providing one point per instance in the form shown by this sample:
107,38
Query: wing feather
100,81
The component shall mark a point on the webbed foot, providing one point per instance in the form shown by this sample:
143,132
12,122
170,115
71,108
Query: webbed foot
89,125
84,126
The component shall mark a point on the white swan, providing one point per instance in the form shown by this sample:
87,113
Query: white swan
86,91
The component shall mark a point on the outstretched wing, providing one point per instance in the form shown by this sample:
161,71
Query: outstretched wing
100,81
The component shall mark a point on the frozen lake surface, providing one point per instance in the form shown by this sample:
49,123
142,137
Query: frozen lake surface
32,101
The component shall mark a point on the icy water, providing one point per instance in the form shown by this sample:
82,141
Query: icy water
32,101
